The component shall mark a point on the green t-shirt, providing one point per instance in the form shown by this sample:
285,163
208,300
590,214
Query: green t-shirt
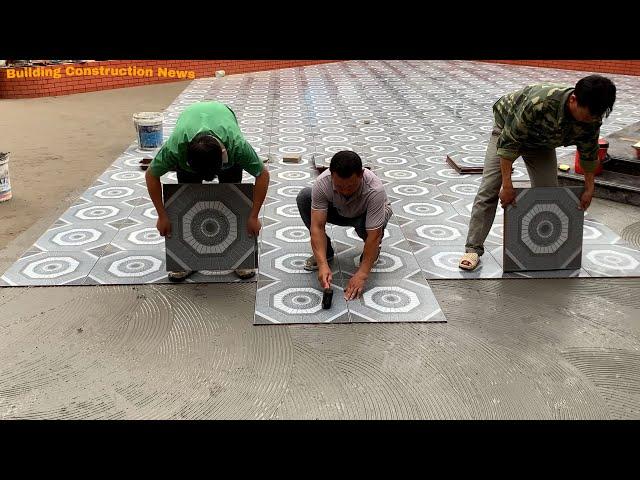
210,117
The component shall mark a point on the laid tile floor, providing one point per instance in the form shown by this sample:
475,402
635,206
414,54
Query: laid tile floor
402,117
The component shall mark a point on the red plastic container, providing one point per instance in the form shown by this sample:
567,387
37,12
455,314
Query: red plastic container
602,155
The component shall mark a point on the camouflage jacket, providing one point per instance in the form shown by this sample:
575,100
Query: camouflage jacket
534,118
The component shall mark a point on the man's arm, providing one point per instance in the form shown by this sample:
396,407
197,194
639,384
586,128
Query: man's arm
587,146
518,125
259,193
589,189
507,193
319,246
164,161
355,287
155,193
370,251
245,156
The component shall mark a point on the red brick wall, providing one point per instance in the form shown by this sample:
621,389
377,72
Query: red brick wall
48,86
623,67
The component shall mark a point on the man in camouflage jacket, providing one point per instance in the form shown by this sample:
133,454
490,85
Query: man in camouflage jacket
532,122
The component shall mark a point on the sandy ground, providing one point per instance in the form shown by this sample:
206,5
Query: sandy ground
59,146
511,349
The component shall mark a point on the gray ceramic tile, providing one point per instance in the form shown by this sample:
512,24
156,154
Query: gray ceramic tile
209,227
611,261
441,261
297,299
286,263
139,237
544,230
51,268
597,233
424,209
73,238
129,268
83,214
284,231
396,300
497,254
396,261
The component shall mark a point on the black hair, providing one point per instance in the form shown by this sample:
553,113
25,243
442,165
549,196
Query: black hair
597,93
345,163
204,155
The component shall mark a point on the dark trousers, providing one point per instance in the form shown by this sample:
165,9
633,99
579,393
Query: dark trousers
304,207
227,175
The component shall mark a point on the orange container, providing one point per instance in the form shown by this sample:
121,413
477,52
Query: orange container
602,155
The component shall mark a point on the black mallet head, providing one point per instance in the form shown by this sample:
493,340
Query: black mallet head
327,298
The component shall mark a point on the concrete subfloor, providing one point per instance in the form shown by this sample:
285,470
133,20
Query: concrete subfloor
532,349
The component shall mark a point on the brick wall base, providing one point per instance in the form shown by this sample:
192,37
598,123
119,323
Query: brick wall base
622,67
130,73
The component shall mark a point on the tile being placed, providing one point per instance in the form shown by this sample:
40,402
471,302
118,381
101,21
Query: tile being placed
209,227
544,231
497,254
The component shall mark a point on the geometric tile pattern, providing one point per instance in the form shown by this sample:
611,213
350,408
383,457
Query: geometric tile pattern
611,261
209,227
396,290
544,230
129,266
403,117
50,268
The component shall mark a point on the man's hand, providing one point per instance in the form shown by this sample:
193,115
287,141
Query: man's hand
507,196
585,199
325,277
355,287
589,189
253,226
164,226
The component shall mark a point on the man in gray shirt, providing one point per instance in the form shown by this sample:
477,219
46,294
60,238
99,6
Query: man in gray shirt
347,195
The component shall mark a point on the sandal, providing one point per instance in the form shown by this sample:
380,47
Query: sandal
472,259
311,265
177,277
245,273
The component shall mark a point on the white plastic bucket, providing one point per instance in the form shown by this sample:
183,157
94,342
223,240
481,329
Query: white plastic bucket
5,183
149,128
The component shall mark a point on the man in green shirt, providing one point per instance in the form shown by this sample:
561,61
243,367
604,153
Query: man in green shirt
207,143
532,122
